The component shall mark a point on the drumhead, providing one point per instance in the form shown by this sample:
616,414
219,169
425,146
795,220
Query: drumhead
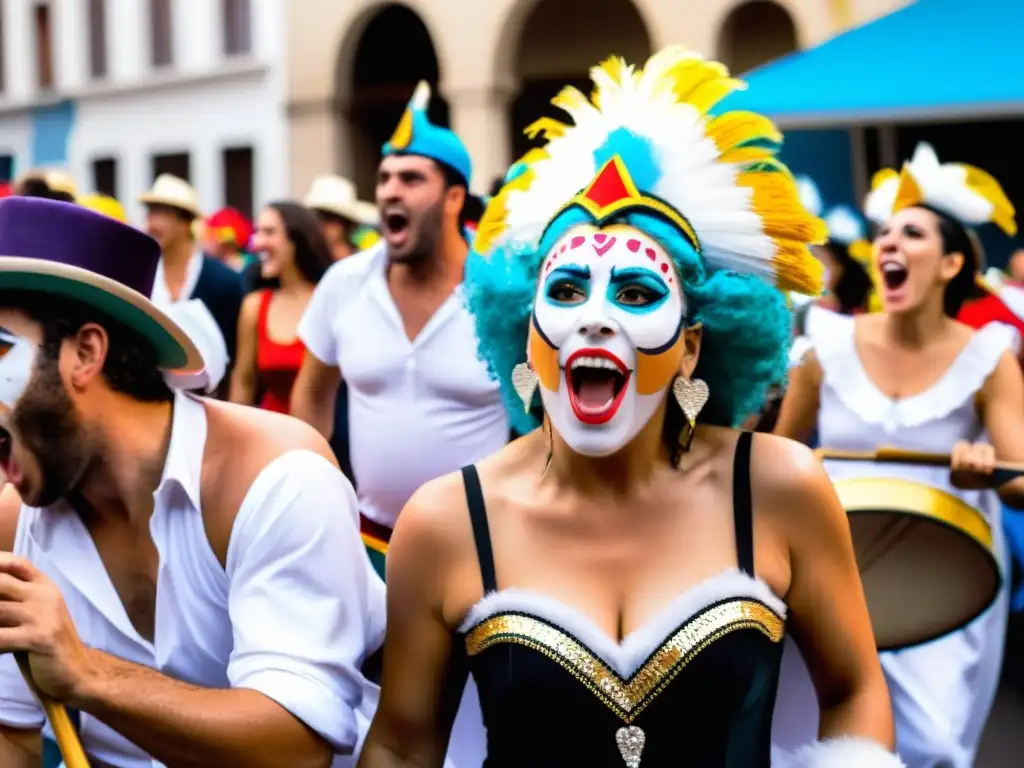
925,559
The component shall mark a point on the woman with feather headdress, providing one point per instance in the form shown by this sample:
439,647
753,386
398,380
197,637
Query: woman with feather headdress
619,582
911,376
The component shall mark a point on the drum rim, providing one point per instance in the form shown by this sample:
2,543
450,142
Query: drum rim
947,511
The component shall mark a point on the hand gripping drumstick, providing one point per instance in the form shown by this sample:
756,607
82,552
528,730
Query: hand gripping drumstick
67,737
1004,472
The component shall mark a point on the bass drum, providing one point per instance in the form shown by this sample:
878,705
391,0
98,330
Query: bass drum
925,557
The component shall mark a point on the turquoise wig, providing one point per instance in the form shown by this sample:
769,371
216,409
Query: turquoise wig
747,324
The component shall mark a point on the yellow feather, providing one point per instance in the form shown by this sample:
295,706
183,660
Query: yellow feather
569,98
495,217
547,127
882,176
909,193
734,129
984,184
744,155
708,94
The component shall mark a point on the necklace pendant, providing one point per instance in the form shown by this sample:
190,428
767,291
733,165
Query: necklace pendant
631,741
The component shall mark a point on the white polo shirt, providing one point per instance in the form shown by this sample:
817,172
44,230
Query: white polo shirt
292,614
417,409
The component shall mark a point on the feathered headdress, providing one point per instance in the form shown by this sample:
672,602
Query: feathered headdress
964,192
644,142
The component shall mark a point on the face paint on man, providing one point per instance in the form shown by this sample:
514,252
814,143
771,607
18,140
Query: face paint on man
17,356
606,340
44,447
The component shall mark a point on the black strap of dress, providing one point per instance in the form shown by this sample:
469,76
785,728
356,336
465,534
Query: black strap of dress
742,504
481,530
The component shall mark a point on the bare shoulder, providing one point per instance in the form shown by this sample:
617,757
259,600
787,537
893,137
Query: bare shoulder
433,540
441,505
251,305
788,480
10,511
240,443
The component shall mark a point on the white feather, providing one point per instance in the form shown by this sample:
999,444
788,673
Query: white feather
840,753
810,196
943,186
844,226
694,181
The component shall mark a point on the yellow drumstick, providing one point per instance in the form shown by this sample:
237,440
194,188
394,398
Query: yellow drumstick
67,737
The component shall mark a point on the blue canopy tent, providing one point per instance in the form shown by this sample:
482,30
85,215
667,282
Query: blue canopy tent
932,60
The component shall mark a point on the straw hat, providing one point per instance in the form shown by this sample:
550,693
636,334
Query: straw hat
173,192
336,195
63,249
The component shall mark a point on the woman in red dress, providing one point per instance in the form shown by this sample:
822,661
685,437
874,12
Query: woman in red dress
293,258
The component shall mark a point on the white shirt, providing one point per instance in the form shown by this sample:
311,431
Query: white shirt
417,409
292,614
161,295
196,321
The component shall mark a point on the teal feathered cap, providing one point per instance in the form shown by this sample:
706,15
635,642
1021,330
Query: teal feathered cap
416,135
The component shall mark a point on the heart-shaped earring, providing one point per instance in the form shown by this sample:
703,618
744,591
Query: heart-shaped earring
524,382
692,395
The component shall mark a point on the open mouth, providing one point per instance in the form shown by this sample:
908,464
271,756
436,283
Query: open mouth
395,226
596,381
894,274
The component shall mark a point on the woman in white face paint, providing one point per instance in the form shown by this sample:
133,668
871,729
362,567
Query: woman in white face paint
620,581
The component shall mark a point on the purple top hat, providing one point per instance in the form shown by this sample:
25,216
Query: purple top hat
64,249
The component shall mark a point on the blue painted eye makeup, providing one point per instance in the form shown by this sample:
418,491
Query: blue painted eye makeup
637,290
569,284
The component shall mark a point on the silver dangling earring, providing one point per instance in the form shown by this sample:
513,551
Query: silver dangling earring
692,395
524,382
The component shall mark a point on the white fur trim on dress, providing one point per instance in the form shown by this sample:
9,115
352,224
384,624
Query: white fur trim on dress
841,753
625,657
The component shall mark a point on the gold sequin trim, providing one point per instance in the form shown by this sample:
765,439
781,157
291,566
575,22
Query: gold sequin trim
627,698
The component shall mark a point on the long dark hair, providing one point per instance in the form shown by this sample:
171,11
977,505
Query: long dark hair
853,286
302,227
957,239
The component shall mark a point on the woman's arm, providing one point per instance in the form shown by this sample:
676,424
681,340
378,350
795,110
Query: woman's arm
243,376
798,414
420,690
1001,404
828,615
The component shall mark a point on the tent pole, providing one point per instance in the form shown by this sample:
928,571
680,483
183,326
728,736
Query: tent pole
888,149
858,164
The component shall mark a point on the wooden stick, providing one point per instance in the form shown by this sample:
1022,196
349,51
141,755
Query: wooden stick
63,729
1005,471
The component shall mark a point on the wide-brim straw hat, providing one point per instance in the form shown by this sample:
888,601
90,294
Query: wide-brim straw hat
173,192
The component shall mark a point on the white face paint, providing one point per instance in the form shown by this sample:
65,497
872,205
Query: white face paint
610,310
17,358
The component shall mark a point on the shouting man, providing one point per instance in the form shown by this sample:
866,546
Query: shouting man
185,575
392,322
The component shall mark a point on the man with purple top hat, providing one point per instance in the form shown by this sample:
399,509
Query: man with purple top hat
186,575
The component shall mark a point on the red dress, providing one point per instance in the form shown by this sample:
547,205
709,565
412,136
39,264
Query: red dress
277,364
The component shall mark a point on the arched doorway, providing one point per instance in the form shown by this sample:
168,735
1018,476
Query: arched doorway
393,53
544,62
754,33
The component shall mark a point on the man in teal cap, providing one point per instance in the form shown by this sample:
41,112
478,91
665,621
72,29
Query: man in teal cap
391,321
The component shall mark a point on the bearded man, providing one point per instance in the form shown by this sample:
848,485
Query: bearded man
186,575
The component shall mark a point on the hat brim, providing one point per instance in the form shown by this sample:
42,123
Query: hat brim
191,210
358,211
174,349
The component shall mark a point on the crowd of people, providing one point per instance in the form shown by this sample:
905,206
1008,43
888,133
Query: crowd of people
524,481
